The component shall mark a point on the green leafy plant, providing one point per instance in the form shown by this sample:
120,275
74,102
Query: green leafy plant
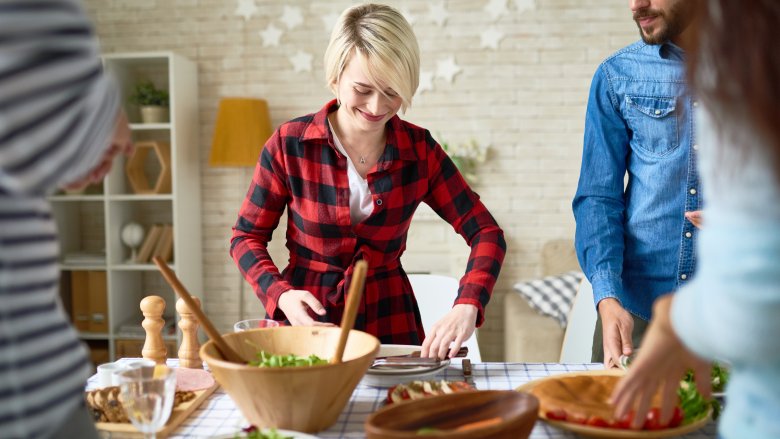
467,157
146,93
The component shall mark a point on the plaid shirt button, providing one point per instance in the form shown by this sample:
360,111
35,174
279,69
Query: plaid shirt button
378,201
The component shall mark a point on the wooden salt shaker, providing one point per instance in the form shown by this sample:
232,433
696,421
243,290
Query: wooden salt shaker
188,351
154,348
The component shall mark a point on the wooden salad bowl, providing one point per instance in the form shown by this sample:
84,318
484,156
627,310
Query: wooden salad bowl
481,414
304,398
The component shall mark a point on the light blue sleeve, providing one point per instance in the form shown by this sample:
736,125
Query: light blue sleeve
598,205
731,310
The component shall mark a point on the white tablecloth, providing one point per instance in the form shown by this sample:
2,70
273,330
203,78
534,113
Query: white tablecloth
218,415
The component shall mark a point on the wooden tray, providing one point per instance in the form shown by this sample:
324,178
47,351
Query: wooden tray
599,432
178,415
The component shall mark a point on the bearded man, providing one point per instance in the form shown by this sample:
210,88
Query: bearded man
638,180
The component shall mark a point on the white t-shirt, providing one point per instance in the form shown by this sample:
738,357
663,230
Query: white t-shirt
360,203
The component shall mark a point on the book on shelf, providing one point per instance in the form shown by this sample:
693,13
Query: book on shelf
89,296
150,243
164,247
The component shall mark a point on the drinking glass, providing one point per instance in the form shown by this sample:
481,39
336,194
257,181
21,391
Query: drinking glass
147,395
244,325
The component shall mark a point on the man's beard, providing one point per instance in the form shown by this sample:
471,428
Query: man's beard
669,24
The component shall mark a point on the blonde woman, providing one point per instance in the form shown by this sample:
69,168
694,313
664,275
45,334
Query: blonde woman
351,176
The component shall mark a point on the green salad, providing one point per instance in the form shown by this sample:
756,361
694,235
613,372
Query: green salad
693,403
255,433
264,359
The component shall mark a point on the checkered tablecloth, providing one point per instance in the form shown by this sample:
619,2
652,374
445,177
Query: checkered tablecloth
218,415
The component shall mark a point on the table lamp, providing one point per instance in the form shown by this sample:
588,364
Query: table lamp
242,128
243,125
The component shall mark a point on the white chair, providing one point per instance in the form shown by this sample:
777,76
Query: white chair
578,338
435,295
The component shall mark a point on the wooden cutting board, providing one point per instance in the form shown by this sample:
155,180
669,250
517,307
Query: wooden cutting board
178,415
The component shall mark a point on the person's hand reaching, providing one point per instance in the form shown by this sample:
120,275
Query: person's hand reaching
296,305
617,326
661,364
448,334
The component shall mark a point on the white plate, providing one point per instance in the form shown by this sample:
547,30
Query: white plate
286,433
388,377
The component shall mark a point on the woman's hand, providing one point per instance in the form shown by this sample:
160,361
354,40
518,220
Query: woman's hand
660,364
296,305
454,328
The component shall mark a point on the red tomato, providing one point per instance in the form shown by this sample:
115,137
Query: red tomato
677,417
400,390
556,415
625,421
597,421
653,420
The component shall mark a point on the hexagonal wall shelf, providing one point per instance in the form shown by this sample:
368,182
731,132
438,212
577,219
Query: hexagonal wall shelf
150,178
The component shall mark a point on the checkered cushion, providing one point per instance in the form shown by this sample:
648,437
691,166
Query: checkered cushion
553,295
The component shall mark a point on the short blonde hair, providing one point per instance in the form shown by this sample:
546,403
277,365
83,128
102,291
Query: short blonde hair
384,42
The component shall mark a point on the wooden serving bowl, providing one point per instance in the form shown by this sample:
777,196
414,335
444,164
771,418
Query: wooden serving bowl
445,413
306,398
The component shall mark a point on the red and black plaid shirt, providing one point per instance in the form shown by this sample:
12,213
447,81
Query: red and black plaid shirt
301,170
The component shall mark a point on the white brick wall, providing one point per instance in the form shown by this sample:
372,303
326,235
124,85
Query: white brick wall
526,100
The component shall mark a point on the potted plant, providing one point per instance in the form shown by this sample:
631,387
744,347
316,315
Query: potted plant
152,101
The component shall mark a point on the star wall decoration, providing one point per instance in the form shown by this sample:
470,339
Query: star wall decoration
292,17
426,82
301,61
490,38
447,69
271,36
329,21
246,9
496,8
525,5
437,13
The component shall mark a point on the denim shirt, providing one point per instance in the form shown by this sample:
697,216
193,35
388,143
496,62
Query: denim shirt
632,239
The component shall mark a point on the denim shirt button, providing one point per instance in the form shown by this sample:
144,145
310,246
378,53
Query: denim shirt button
688,234
692,191
683,276
695,103
696,147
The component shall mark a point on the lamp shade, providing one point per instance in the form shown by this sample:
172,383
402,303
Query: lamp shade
243,126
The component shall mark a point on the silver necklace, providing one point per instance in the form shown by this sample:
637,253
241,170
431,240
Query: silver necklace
362,157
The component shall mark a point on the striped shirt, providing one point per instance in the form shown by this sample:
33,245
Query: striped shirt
57,115
302,171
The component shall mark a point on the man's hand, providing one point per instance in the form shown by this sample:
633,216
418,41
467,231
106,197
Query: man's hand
121,143
454,328
296,305
617,326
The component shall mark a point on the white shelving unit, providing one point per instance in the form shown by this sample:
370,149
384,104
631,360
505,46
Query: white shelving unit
91,223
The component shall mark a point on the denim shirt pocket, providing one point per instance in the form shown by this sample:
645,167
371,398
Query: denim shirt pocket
653,121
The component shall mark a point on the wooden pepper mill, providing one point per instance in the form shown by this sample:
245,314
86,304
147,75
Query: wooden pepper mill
188,351
154,348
